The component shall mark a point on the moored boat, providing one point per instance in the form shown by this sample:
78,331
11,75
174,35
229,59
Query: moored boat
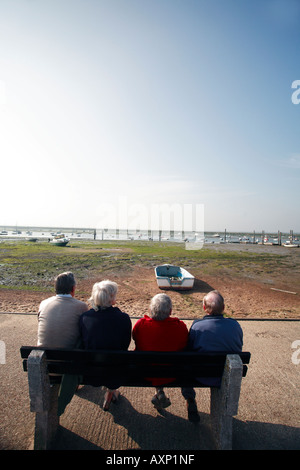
289,244
169,276
60,240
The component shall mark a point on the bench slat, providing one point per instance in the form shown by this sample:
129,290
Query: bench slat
142,370
134,357
128,371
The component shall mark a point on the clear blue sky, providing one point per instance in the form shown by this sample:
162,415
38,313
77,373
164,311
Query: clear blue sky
155,101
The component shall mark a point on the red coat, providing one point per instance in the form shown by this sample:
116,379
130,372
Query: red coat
170,334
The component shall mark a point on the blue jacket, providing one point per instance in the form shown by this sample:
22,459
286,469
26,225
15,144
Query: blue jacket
214,333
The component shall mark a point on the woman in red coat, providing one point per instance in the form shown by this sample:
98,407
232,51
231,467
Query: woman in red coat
160,332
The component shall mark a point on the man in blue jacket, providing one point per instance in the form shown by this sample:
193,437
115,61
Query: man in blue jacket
212,333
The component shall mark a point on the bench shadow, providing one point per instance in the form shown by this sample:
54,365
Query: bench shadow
163,431
68,440
169,431
255,435
160,432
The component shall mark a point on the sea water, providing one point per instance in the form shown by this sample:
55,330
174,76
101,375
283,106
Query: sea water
144,235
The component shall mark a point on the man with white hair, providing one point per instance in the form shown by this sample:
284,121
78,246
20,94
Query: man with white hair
212,333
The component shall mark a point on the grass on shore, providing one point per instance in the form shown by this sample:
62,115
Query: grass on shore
33,266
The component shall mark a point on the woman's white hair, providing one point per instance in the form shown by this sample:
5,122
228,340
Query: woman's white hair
160,307
103,294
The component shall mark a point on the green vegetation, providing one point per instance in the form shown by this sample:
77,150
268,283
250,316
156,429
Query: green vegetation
27,265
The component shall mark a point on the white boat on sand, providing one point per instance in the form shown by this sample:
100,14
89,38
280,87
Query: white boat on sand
60,240
289,244
169,276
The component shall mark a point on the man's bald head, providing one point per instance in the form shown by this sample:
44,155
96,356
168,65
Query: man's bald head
213,303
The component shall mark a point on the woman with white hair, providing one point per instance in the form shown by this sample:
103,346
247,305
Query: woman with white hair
160,332
105,327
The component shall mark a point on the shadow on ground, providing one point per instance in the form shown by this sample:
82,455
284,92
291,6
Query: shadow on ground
166,431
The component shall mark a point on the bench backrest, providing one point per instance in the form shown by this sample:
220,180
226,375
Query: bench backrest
131,367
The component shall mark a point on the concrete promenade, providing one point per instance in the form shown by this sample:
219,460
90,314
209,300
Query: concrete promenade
269,409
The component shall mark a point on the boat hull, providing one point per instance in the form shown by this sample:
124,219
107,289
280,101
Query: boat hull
60,241
170,277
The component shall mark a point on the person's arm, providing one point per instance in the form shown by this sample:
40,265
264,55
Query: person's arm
82,331
241,337
191,339
127,333
135,331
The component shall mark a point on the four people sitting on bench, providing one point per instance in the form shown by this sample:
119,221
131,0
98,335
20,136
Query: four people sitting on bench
67,322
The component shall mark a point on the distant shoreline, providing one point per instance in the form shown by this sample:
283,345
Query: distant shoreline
176,236
54,228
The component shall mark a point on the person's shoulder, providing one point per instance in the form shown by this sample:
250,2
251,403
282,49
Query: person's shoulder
79,302
142,321
196,323
120,312
46,301
177,321
114,311
235,324
232,321
86,317
88,313
174,320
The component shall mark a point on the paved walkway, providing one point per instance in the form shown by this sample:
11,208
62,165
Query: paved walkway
269,410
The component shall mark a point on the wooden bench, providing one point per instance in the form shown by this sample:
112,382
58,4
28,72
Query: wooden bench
46,366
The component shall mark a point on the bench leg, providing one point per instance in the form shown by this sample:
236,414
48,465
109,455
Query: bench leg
46,423
224,402
43,400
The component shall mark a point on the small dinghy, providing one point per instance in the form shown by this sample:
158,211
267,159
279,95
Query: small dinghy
173,277
60,240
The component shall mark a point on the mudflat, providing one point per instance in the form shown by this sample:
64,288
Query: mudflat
257,281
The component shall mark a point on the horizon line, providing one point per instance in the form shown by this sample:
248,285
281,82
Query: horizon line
137,229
